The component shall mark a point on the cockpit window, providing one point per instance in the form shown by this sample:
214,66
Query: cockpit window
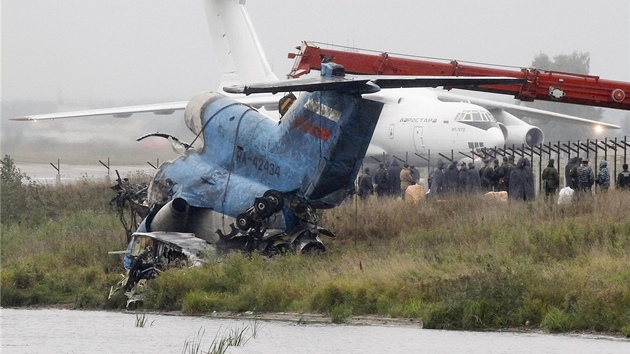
474,116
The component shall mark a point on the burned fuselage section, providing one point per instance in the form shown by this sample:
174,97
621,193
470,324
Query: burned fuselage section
149,254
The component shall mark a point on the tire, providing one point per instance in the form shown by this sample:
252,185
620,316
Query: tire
263,207
276,199
244,222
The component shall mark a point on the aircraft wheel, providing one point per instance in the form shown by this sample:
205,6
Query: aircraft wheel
263,207
314,248
276,199
244,222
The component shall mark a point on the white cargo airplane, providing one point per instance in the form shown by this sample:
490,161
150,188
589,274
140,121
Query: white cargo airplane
414,123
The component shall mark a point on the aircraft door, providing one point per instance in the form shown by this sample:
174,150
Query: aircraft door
418,141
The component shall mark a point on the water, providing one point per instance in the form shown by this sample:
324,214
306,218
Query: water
72,331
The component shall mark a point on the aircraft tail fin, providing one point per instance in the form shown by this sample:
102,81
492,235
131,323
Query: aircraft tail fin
338,128
240,55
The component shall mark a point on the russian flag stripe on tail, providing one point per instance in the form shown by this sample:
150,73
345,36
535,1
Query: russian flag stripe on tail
309,127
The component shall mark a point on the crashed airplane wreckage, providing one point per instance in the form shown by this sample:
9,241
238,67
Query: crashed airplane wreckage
149,253
256,184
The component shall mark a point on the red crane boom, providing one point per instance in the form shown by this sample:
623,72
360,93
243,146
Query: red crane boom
541,84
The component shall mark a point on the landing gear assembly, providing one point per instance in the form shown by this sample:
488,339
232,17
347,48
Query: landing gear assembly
249,232
270,203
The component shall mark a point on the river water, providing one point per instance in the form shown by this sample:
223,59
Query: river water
73,331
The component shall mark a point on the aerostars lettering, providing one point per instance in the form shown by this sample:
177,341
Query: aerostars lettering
418,120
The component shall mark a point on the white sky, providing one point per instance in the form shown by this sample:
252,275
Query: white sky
75,50
78,53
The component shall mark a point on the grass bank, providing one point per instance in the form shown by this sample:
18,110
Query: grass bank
458,264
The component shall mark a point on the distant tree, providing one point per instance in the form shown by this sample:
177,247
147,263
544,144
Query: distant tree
13,194
577,63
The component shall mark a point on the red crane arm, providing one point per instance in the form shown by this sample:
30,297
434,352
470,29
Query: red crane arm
541,84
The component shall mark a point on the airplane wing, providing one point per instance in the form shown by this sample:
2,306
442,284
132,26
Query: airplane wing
367,84
531,112
357,83
268,101
119,112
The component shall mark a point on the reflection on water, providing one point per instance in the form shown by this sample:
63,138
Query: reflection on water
71,331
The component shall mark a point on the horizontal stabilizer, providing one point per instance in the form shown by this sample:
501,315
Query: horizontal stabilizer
307,84
365,84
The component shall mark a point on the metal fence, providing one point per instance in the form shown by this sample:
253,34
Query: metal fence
613,151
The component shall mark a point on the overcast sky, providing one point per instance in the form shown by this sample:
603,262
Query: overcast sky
71,52
74,50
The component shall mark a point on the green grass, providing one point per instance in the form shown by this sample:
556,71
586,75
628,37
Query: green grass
464,263
233,337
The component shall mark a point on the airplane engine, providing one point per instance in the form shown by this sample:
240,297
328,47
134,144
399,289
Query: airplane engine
203,222
173,216
522,134
517,132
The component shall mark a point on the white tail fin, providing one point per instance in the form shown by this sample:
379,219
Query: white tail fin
239,53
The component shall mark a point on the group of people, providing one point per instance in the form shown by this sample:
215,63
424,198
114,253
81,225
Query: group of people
388,180
515,179
580,177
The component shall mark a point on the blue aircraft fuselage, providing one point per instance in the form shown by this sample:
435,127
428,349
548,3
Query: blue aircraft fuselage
313,154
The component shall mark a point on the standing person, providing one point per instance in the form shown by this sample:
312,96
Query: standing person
504,175
551,180
436,188
451,178
517,181
406,179
393,177
573,176
473,181
603,177
623,178
585,177
508,173
530,188
496,175
462,177
415,173
485,173
567,172
381,181
365,185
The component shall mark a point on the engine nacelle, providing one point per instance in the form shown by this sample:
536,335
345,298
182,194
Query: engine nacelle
522,134
517,132
173,216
